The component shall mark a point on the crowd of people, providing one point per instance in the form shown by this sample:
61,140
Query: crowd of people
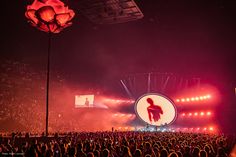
118,144
22,99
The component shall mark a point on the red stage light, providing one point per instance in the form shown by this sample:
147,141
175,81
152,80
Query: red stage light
183,114
202,113
197,98
195,114
190,114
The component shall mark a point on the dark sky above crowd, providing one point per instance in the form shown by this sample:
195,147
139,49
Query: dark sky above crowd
194,37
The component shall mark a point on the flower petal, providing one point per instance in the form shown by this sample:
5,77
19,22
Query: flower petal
43,1
46,14
72,14
62,19
53,27
43,27
30,14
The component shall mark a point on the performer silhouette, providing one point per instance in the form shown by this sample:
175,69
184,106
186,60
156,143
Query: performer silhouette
154,111
86,102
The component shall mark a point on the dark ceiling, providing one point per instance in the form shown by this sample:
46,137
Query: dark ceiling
195,37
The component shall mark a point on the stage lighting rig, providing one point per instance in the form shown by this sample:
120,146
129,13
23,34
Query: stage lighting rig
110,11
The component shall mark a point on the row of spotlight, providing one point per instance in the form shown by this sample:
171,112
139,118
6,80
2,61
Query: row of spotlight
119,101
201,114
196,98
197,129
209,129
119,115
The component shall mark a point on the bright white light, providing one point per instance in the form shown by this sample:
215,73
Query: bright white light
84,100
169,111
208,113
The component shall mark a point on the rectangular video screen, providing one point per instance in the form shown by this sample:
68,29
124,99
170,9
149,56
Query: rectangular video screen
84,101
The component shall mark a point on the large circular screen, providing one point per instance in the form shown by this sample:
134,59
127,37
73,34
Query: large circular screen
155,109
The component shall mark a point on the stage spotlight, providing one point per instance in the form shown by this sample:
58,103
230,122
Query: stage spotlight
208,96
196,98
211,128
208,113
192,99
177,100
183,114
183,100
190,114
202,113
195,114
130,115
187,99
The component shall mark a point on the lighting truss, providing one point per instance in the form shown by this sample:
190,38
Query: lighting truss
110,11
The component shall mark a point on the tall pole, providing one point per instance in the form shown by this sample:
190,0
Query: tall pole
48,72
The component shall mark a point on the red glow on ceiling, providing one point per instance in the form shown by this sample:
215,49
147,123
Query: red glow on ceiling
49,15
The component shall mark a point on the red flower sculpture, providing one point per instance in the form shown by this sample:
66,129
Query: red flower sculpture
50,16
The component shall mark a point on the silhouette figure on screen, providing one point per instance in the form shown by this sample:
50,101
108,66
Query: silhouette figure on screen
86,102
154,111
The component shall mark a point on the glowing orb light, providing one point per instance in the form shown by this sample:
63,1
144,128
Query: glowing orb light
50,16
156,109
